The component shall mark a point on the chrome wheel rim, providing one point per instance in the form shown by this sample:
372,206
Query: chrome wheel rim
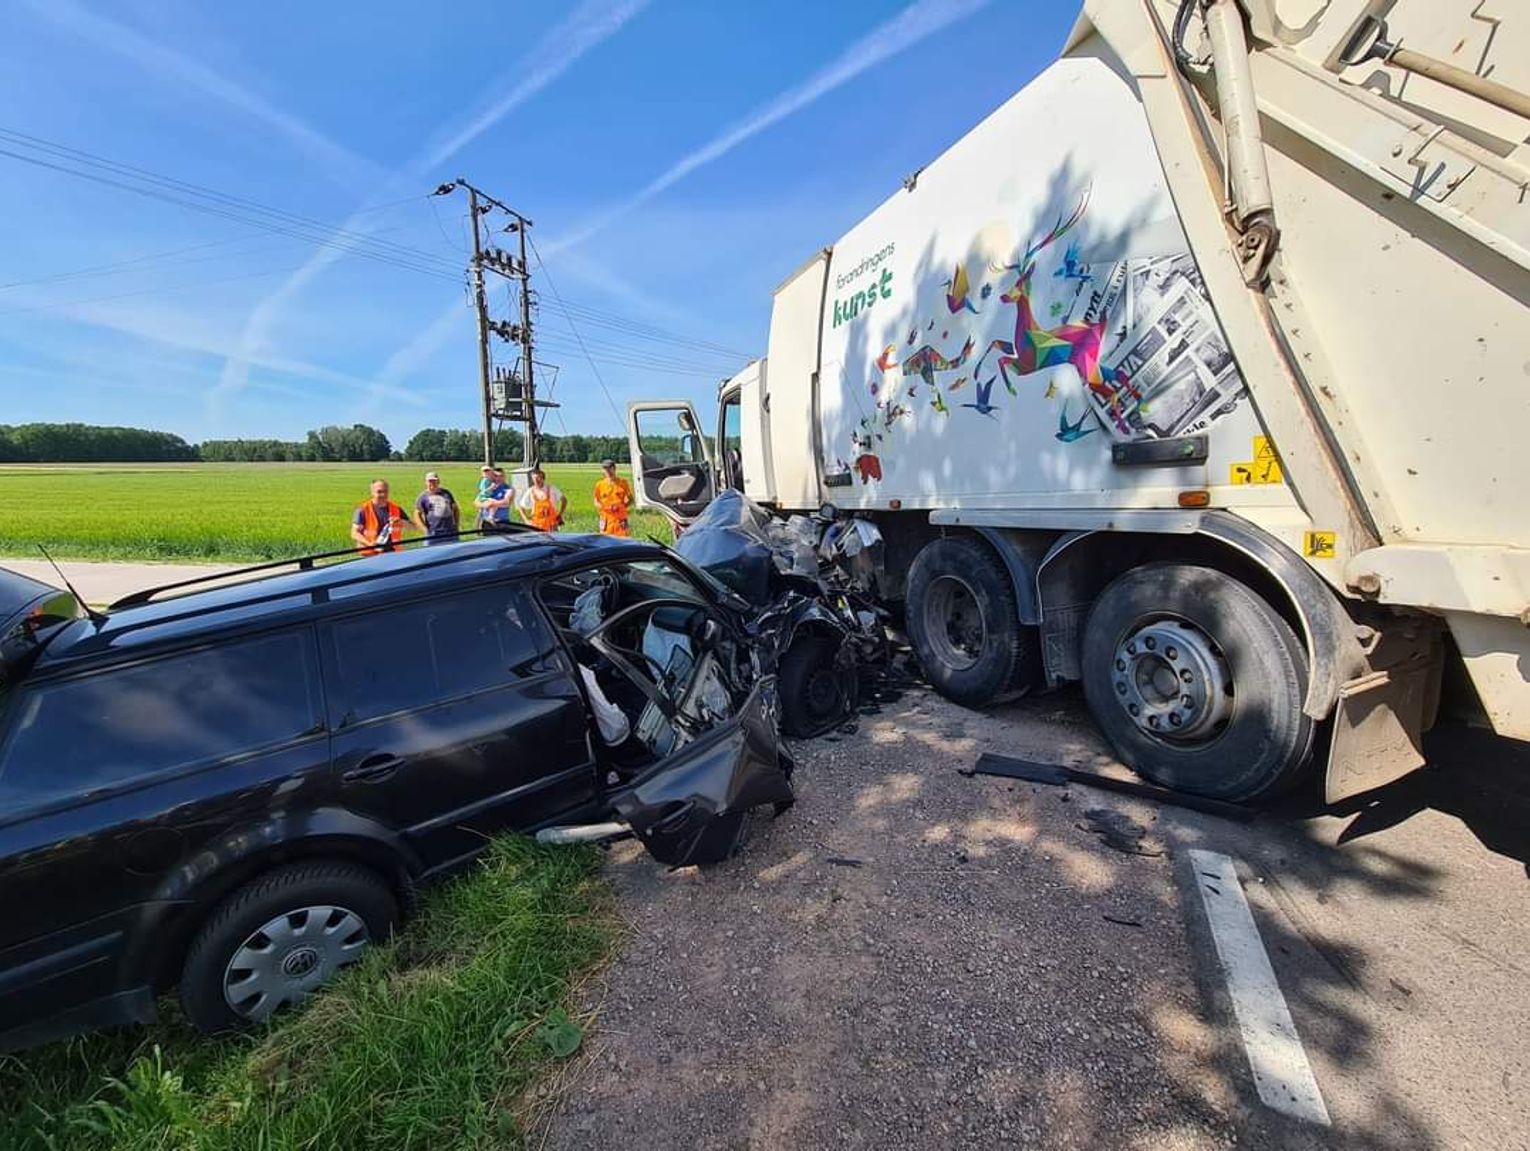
289,957
1173,681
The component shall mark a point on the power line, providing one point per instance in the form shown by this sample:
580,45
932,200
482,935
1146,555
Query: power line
249,213
233,208
621,420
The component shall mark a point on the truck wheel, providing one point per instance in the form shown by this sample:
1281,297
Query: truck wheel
964,625
814,692
279,938
1197,682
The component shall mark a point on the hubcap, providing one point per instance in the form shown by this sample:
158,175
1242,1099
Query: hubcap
955,622
286,959
1173,681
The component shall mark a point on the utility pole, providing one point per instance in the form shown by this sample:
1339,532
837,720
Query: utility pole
480,299
519,402
528,368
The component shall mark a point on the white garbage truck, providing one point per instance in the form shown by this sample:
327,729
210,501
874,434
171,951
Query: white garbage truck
1198,373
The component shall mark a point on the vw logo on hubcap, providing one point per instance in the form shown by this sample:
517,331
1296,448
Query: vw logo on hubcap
300,961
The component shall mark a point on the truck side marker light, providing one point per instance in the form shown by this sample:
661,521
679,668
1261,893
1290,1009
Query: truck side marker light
1199,498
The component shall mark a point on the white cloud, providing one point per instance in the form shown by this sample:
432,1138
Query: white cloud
915,23
159,62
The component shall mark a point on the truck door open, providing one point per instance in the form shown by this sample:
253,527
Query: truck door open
671,459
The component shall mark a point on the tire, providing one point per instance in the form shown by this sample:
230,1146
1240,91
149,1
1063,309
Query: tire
964,624
329,911
1238,731
815,694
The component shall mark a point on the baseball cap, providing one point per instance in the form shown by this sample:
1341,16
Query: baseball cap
608,463
488,468
431,476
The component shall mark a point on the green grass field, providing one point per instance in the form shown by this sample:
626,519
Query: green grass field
236,512
430,1042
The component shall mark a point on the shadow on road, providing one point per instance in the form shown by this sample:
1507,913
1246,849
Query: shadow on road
1472,775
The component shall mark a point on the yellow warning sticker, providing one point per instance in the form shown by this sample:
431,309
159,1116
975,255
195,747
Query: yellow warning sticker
1263,449
1257,471
1320,545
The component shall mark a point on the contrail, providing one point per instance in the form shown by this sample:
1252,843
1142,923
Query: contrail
915,23
158,61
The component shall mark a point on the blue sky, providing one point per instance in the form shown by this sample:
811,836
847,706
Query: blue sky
679,158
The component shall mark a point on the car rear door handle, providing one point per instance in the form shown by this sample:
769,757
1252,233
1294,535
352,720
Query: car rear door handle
373,767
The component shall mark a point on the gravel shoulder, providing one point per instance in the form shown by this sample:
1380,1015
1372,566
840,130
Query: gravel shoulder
910,958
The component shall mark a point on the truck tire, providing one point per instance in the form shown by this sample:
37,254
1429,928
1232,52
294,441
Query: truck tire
279,938
964,624
815,694
1197,683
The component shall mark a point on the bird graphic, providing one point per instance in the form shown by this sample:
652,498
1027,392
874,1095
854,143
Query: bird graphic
961,382
984,392
986,292
1051,391
958,291
885,361
1071,433
939,404
913,335
1071,268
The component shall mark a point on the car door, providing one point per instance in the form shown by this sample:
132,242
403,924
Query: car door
112,779
455,717
671,459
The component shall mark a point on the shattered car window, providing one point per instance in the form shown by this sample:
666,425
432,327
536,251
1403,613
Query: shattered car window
659,665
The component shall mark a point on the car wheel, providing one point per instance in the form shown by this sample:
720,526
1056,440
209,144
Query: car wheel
964,625
1197,682
815,694
281,937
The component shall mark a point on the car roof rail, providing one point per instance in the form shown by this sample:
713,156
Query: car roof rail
302,563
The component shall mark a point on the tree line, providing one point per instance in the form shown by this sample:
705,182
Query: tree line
86,443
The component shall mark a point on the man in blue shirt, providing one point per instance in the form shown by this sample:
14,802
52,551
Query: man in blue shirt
494,501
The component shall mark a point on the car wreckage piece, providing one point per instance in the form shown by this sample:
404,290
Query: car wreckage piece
811,581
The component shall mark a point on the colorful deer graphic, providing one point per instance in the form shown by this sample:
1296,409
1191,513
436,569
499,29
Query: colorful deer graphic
1035,347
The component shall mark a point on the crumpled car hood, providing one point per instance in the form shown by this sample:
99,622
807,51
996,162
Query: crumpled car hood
744,547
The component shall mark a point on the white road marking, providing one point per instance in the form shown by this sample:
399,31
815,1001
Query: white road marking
1275,1054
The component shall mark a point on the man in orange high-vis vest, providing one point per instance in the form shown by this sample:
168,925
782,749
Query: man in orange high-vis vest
542,505
379,524
613,496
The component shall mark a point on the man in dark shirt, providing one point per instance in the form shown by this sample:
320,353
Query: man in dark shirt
435,512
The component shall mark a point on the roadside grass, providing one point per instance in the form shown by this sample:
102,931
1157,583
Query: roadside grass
430,1042
196,513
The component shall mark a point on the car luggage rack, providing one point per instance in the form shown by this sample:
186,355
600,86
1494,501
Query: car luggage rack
302,563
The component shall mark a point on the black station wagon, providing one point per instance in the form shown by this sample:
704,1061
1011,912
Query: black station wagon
235,787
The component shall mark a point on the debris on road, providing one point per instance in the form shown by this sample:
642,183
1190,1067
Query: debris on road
1118,831
1007,767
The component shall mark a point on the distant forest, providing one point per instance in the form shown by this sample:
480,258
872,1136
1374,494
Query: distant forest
86,443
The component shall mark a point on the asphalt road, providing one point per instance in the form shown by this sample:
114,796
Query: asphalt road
915,958
104,583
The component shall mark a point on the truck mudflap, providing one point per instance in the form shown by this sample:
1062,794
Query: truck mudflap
690,809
